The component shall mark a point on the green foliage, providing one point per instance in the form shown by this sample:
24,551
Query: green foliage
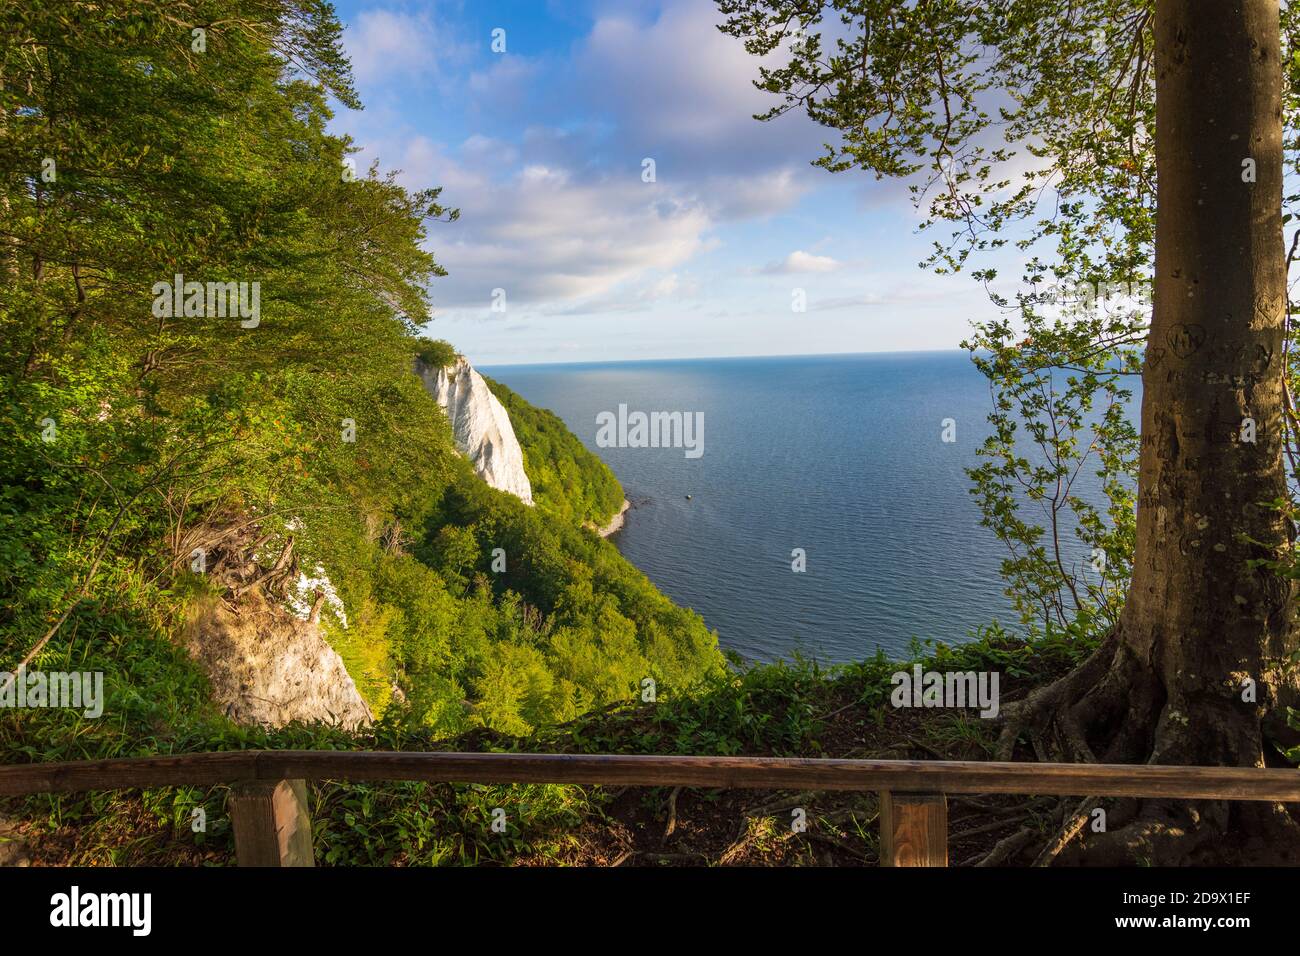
567,626
782,709
435,353
1047,429
134,436
159,705
566,478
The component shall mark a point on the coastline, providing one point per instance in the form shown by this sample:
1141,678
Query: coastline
616,522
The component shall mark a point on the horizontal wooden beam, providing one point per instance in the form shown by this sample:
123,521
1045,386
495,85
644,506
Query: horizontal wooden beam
766,773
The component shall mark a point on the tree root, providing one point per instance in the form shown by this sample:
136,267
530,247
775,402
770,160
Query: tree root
1053,708
922,745
838,846
767,808
1149,841
977,831
672,814
738,845
1008,847
1074,824
1114,708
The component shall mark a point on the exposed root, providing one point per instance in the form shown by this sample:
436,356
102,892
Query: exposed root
979,831
1049,708
1074,824
839,846
922,745
1275,834
1149,840
788,801
1008,847
738,845
672,814
856,816
1114,708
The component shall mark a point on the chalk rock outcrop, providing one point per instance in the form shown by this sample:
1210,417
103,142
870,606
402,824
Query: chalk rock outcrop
480,425
269,667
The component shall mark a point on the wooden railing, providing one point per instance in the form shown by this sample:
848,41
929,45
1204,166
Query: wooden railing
268,806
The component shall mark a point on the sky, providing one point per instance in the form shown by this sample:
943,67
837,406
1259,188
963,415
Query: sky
565,253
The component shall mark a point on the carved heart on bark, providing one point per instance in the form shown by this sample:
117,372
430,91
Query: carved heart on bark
1269,306
1185,339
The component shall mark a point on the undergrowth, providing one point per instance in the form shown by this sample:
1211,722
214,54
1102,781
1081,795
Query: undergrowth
787,708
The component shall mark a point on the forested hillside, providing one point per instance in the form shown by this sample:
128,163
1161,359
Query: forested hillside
165,431
566,477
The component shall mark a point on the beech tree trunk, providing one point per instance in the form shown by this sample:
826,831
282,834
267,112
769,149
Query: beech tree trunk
1200,623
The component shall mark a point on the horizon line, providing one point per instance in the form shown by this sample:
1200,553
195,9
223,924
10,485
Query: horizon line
719,358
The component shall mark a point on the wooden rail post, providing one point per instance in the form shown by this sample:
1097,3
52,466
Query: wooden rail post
272,825
913,829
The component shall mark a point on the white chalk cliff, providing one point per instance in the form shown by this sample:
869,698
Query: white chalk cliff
480,425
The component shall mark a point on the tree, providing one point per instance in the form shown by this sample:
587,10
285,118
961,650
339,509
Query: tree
142,139
1153,135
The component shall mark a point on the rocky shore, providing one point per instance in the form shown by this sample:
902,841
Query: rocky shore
616,522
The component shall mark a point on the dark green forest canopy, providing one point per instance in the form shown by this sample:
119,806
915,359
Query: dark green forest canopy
137,150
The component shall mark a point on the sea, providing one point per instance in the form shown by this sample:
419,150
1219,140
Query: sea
823,509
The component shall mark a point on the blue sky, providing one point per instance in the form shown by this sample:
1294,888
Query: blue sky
542,148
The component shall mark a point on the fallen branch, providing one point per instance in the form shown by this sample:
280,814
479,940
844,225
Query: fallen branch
623,858
672,814
1074,825
987,828
1008,847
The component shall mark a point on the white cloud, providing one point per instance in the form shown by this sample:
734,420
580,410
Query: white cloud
800,261
385,44
680,87
670,87
545,235
548,177
664,288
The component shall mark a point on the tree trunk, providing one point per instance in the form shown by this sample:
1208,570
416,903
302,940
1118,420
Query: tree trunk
1199,620
1196,672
